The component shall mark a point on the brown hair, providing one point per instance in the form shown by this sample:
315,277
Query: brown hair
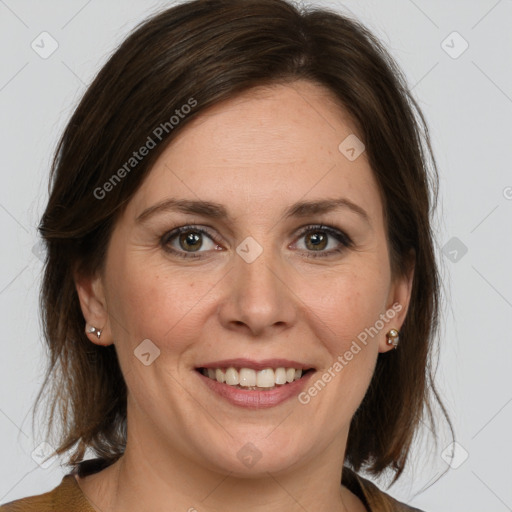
201,53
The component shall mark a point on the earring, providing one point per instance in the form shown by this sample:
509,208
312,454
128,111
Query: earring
93,330
392,337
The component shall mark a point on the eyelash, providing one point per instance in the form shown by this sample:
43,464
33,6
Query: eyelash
340,236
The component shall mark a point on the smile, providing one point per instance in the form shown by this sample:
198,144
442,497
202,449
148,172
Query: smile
255,384
250,379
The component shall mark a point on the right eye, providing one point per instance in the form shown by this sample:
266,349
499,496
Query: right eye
187,240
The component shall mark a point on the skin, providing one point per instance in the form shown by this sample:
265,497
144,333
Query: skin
255,154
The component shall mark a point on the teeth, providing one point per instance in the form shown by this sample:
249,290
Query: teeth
266,379
219,375
232,377
280,375
249,378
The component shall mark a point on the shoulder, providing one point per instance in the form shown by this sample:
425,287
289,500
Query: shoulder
66,496
373,498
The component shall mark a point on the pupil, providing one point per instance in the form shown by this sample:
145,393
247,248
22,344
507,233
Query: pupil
317,239
191,239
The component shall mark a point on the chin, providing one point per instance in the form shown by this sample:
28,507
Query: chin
255,456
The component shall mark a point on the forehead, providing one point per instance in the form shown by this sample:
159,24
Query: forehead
263,149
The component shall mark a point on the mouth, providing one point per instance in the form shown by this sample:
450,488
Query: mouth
250,379
253,384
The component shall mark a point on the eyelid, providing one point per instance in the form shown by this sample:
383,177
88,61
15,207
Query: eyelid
172,233
331,230
342,238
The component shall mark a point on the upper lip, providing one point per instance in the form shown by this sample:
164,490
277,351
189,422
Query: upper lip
256,365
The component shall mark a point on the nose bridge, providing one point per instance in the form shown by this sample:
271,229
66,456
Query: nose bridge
259,296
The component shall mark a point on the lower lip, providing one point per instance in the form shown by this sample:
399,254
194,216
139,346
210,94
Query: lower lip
254,399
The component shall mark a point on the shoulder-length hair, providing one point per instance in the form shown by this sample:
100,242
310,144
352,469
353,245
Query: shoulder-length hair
198,54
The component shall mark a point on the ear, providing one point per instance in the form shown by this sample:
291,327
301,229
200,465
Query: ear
398,301
90,290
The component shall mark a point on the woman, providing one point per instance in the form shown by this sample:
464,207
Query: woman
240,294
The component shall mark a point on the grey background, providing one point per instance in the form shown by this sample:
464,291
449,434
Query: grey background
468,104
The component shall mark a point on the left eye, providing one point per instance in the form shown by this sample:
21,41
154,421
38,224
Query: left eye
317,240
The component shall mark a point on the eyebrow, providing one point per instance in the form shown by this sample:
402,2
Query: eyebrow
218,211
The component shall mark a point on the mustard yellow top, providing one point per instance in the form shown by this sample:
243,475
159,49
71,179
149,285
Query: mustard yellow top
68,497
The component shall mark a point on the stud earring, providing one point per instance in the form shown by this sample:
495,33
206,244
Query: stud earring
392,337
93,330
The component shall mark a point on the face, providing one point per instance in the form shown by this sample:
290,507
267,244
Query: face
251,282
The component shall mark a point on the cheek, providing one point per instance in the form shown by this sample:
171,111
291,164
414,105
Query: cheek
346,306
152,302
343,320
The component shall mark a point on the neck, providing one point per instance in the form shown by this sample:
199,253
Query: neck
165,480
157,474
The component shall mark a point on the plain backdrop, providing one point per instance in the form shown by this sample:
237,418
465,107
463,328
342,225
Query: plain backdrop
456,57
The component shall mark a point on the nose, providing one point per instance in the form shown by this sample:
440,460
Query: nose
258,296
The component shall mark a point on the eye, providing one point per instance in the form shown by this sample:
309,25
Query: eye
184,241
318,238
187,240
